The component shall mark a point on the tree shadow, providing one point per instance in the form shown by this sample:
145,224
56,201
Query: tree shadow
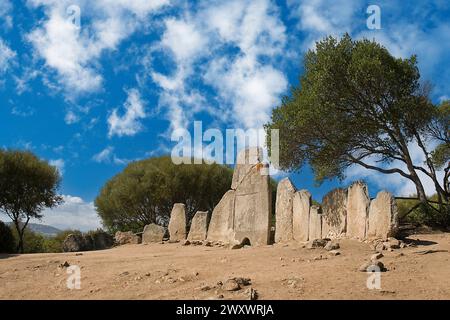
8,255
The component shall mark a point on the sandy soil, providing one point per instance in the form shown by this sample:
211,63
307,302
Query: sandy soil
173,271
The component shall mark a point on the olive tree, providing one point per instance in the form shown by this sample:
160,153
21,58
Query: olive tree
356,104
27,186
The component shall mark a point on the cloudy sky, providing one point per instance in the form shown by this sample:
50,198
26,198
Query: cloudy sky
92,85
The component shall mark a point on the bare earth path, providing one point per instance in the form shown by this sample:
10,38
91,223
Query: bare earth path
172,271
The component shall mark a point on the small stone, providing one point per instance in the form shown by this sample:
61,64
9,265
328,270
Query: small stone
236,246
125,273
205,288
376,256
65,264
186,243
372,264
334,253
231,285
78,254
331,245
251,294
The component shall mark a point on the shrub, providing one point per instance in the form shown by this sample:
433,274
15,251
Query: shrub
7,241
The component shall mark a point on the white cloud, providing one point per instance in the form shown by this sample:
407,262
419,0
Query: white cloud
73,52
58,163
128,124
6,56
247,81
74,213
108,156
5,13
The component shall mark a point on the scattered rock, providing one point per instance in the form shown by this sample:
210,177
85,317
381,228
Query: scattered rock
231,285
376,256
125,273
331,245
186,242
316,243
334,253
153,233
236,246
64,265
251,294
372,266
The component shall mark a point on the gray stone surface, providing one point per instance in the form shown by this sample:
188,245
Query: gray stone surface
177,222
153,233
383,216
315,223
127,237
300,215
199,226
283,211
252,207
357,210
221,224
245,161
334,213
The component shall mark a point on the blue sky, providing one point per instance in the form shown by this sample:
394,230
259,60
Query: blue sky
91,97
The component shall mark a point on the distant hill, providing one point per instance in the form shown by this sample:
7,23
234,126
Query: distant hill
42,229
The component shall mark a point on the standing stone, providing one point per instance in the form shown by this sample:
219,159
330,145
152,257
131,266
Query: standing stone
283,211
177,223
153,233
300,215
334,213
199,226
252,207
315,223
245,161
383,216
221,224
357,210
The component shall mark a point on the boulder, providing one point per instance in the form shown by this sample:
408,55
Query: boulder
383,216
357,210
177,223
316,243
127,237
334,213
300,215
199,226
153,233
315,223
283,211
332,245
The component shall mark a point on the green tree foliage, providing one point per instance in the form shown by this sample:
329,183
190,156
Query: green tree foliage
33,242
146,191
27,186
7,241
358,105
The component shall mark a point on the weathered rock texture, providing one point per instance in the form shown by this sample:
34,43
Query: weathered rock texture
315,223
300,215
383,216
244,211
283,211
245,161
357,210
73,243
252,208
126,238
221,224
177,222
334,213
153,233
199,226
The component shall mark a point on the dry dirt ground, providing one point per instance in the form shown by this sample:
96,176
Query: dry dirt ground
173,271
